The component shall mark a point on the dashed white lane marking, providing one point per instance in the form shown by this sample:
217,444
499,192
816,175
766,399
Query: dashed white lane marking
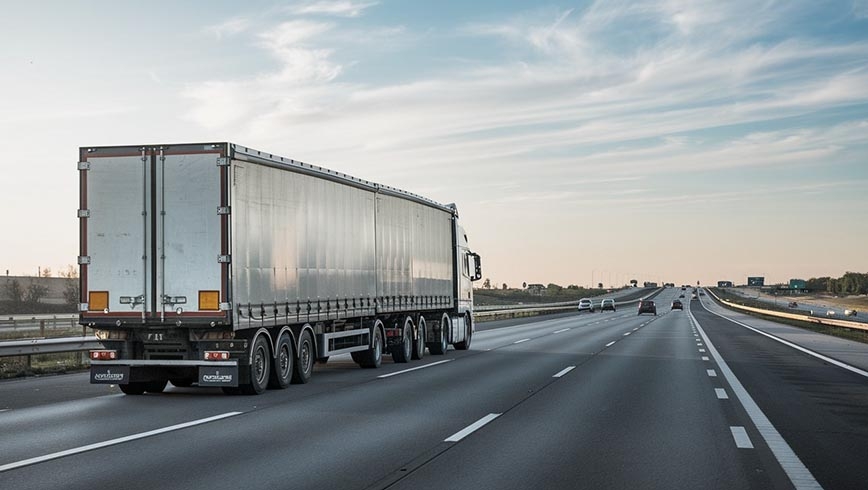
628,333
520,341
414,369
799,475
742,441
610,343
4,410
471,428
564,371
704,358
113,442
721,394
637,328
561,330
711,372
701,350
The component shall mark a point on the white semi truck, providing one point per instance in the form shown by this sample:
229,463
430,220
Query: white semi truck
213,264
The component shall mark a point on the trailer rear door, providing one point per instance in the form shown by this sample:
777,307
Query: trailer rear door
153,233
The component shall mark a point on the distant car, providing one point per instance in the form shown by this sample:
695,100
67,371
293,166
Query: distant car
693,296
702,293
830,313
683,288
677,305
607,304
850,312
681,296
792,304
647,306
586,305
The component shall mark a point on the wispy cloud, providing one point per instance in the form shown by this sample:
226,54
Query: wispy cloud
341,8
229,28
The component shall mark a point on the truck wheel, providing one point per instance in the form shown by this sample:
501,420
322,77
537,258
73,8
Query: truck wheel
439,348
133,388
182,382
156,386
373,357
468,333
304,362
419,343
260,366
281,372
402,352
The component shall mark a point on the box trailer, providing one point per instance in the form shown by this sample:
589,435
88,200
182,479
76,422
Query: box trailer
213,264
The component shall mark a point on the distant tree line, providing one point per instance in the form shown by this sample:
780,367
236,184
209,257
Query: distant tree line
849,283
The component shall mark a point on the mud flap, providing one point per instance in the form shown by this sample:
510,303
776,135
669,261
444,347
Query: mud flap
218,376
115,375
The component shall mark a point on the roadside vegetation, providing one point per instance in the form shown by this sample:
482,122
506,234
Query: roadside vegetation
552,293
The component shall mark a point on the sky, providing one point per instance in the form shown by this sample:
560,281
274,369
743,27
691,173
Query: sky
583,142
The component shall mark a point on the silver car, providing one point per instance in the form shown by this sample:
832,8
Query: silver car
607,304
586,304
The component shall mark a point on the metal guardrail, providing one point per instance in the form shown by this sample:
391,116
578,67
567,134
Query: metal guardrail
48,346
518,311
791,316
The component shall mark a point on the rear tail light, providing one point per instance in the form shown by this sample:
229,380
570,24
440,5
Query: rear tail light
216,355
103,355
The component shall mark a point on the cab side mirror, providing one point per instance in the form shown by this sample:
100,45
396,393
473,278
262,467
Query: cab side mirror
477,267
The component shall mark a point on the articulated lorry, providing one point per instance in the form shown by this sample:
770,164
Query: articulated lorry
217,265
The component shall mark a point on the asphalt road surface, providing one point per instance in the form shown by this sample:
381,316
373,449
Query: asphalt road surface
686,399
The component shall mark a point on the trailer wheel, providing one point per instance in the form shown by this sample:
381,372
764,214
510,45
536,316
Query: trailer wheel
402,352
281,372
419,343
304,361
133,388
260,366
373,357
439,348
156,386
468,333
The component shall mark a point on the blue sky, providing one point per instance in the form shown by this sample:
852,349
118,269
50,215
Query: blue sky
582,141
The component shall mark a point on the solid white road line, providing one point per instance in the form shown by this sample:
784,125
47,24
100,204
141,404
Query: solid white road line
471,428
561,330
711,372
836,362
610,343
742,441
721,393
564,371
414,369
520,341
798,473
113,442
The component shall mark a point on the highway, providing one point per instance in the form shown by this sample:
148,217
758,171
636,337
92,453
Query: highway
685,399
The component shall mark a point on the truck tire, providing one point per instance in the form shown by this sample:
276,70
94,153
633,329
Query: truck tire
260,367
182,382
304,361
137,388
373,357
156,386
419,343
468,334
401,352
281,371
439,348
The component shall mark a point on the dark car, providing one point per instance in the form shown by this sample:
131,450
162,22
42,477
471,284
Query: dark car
792,304
677,305
647,306
681,296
